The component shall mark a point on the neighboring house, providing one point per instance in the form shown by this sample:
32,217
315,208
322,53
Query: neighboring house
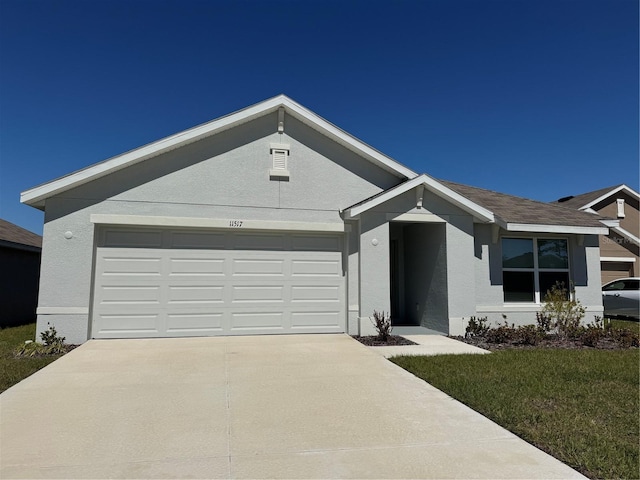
19,273
619,248
272,220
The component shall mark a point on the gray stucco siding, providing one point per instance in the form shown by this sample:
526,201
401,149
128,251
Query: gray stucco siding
583,267
220,177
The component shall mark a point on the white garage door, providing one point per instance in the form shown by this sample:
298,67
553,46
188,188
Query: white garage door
174,283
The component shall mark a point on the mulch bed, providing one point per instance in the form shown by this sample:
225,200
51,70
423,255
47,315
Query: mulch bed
603,344
374,341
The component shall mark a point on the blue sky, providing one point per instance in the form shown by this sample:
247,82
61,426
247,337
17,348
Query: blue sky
534,98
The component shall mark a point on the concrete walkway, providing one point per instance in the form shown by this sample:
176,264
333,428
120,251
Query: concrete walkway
299,406
429,342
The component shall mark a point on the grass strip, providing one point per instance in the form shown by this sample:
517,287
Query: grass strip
12,369
581,406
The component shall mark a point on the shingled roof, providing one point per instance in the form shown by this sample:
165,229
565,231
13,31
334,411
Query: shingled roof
512,209
579,201
12,233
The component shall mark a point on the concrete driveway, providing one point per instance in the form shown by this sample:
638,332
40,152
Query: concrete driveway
300,406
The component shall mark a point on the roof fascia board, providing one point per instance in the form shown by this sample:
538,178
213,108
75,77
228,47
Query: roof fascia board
534,228
434,187
36,196
627,234
630,191
347,140
39,193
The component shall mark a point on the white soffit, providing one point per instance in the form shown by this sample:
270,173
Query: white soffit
618,259
434,187
526,227
36,196
628,190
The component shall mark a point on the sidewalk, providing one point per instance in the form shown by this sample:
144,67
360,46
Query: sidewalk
430,342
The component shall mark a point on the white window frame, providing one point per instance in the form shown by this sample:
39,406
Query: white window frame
537,297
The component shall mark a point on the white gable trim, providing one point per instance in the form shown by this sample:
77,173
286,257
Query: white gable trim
624,188
626,234
526,227
433,186
36,196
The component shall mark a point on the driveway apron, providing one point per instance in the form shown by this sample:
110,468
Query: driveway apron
291,406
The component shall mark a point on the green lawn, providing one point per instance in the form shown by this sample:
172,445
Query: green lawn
581,406
12,369
632,325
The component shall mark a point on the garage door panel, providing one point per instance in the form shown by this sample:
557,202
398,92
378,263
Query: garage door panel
310,243
265,241
315,293
307,320
197,240
257,267
257,294
255,284
133,238
127,325
315,268
196,294
194,323
131,265
257,321
130,294
198,266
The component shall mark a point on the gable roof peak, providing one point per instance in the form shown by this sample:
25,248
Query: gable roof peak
36,196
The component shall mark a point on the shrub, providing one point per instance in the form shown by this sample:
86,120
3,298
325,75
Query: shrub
477,327
528,335
543,322
382,323
501,334
51,344
625,337
565,312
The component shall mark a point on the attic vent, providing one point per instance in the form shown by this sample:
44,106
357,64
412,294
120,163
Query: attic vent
620,205
279,160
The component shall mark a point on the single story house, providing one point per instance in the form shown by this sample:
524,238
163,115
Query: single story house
19,272
619,249
271,220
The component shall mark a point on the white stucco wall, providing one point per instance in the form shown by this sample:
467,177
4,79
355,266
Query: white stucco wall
224,176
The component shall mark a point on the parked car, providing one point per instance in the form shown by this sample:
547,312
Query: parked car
621,298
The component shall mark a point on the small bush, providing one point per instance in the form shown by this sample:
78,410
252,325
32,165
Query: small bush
625,337
51,344
528,335
565,313
382,323
477,327
543,322
501,334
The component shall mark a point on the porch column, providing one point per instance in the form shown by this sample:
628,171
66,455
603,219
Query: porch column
375,284
461,286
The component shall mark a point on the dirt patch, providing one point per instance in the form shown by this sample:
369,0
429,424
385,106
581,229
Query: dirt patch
392,340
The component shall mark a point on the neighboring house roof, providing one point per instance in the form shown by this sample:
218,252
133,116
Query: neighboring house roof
513,210
589,199
36,196
18,236
585,201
